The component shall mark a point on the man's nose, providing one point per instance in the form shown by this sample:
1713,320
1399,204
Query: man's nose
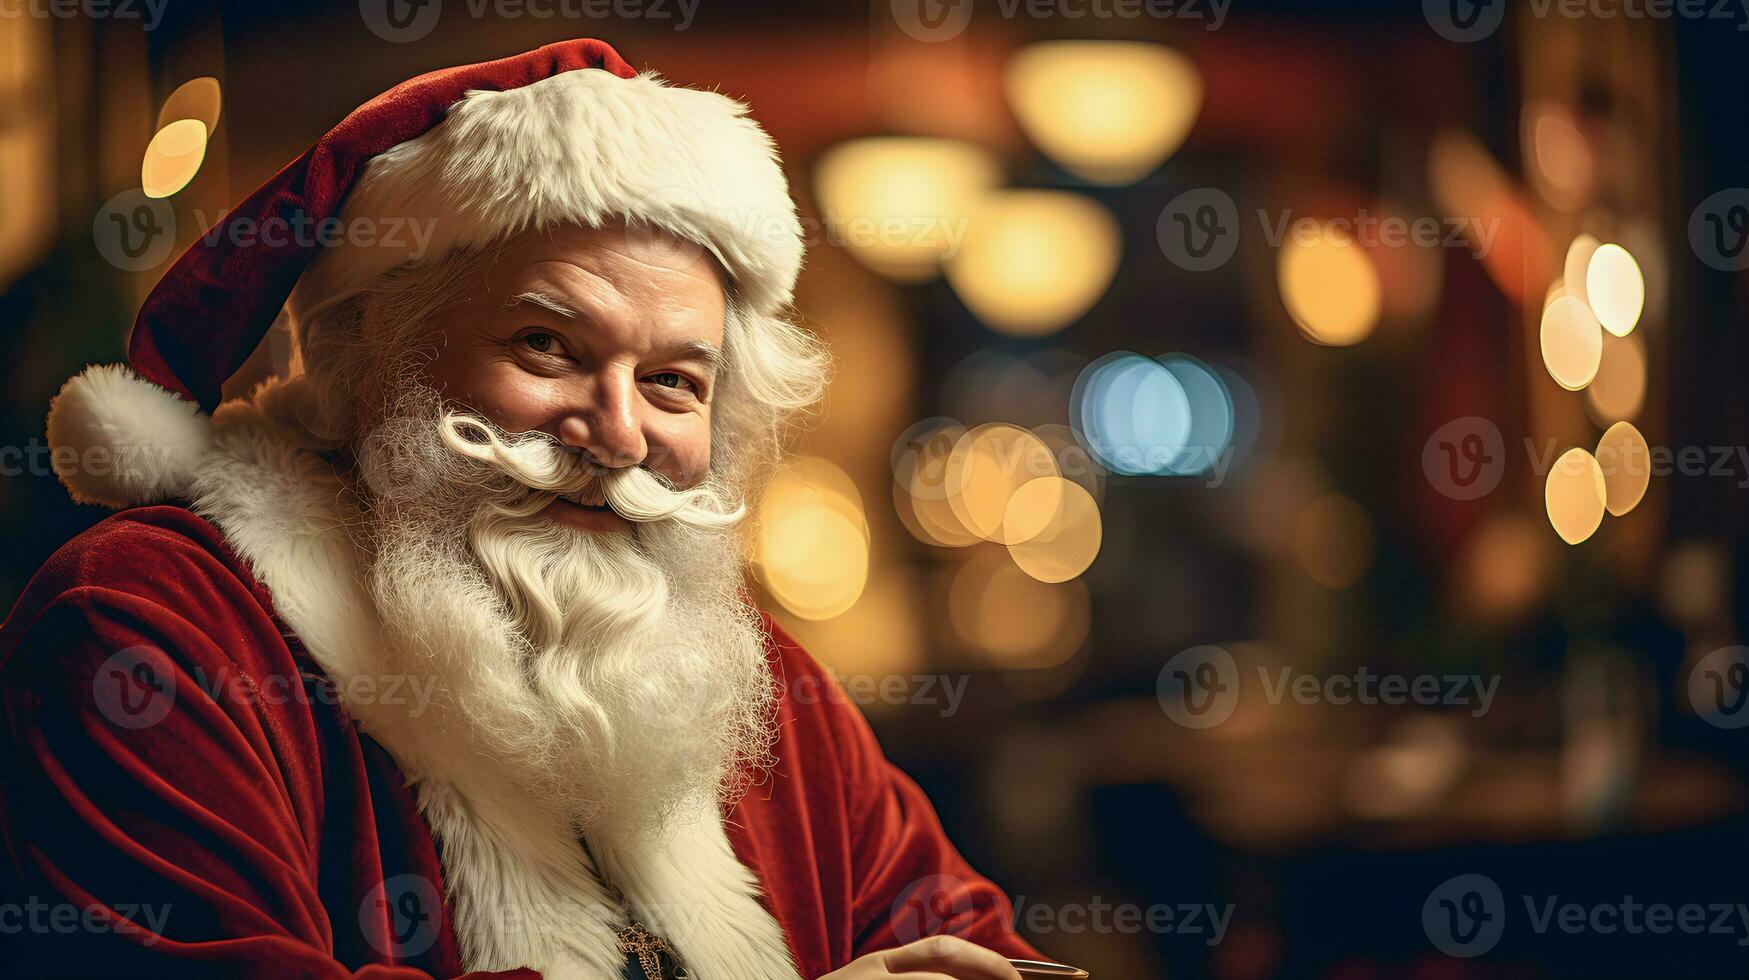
606,423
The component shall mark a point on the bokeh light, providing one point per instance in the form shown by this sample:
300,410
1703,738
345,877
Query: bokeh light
812,545
173,157
1015,619
920,493
1211,417
985,468
197,98
1615,289
1330,287
1131,412
1074,462
1626,461
1506,565
1034,261
1574,495
1577,264
900,203
1572,342
1111,111
1055,529
1562,165
1619,390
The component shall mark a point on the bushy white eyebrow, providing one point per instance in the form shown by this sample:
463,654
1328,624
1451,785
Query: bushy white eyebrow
546,301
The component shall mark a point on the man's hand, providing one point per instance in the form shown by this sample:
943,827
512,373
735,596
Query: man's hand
935,958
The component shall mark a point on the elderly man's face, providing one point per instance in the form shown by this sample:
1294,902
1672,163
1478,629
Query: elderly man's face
610,341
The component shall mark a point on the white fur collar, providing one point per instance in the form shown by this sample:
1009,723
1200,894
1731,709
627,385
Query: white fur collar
523,891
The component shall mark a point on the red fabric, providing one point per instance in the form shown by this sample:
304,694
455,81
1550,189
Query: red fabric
244,831
215,304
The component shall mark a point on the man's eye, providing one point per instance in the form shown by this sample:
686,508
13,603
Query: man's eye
541,343
669,379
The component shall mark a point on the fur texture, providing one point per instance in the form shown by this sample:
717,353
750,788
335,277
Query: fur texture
585,147
120,441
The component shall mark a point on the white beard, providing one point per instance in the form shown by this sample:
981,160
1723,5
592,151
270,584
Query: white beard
618,678
613,687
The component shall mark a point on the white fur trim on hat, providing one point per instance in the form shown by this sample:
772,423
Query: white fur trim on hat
119,440
584,147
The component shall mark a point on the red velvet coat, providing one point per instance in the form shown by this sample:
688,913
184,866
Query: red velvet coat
245,834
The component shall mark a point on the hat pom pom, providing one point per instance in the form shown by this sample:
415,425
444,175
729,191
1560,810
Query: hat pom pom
119,440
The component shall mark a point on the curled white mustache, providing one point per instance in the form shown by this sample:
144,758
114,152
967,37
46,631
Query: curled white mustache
539,463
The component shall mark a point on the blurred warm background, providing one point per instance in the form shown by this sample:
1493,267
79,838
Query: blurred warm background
1315,336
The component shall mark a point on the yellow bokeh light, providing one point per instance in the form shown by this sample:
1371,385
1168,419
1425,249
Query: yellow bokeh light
1619,390
1615,289
1330,287
1074,462
811,547
173,157
1506,565
1626,462
1577,263
1111,111
920,491
1562,164
1334,540
987,466
197,98
1557,289
1574,495
1034,261
1572,342
1024,623
901,203
1057,528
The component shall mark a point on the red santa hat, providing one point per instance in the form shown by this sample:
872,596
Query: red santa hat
567,133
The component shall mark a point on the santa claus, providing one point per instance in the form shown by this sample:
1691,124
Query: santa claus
433,655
